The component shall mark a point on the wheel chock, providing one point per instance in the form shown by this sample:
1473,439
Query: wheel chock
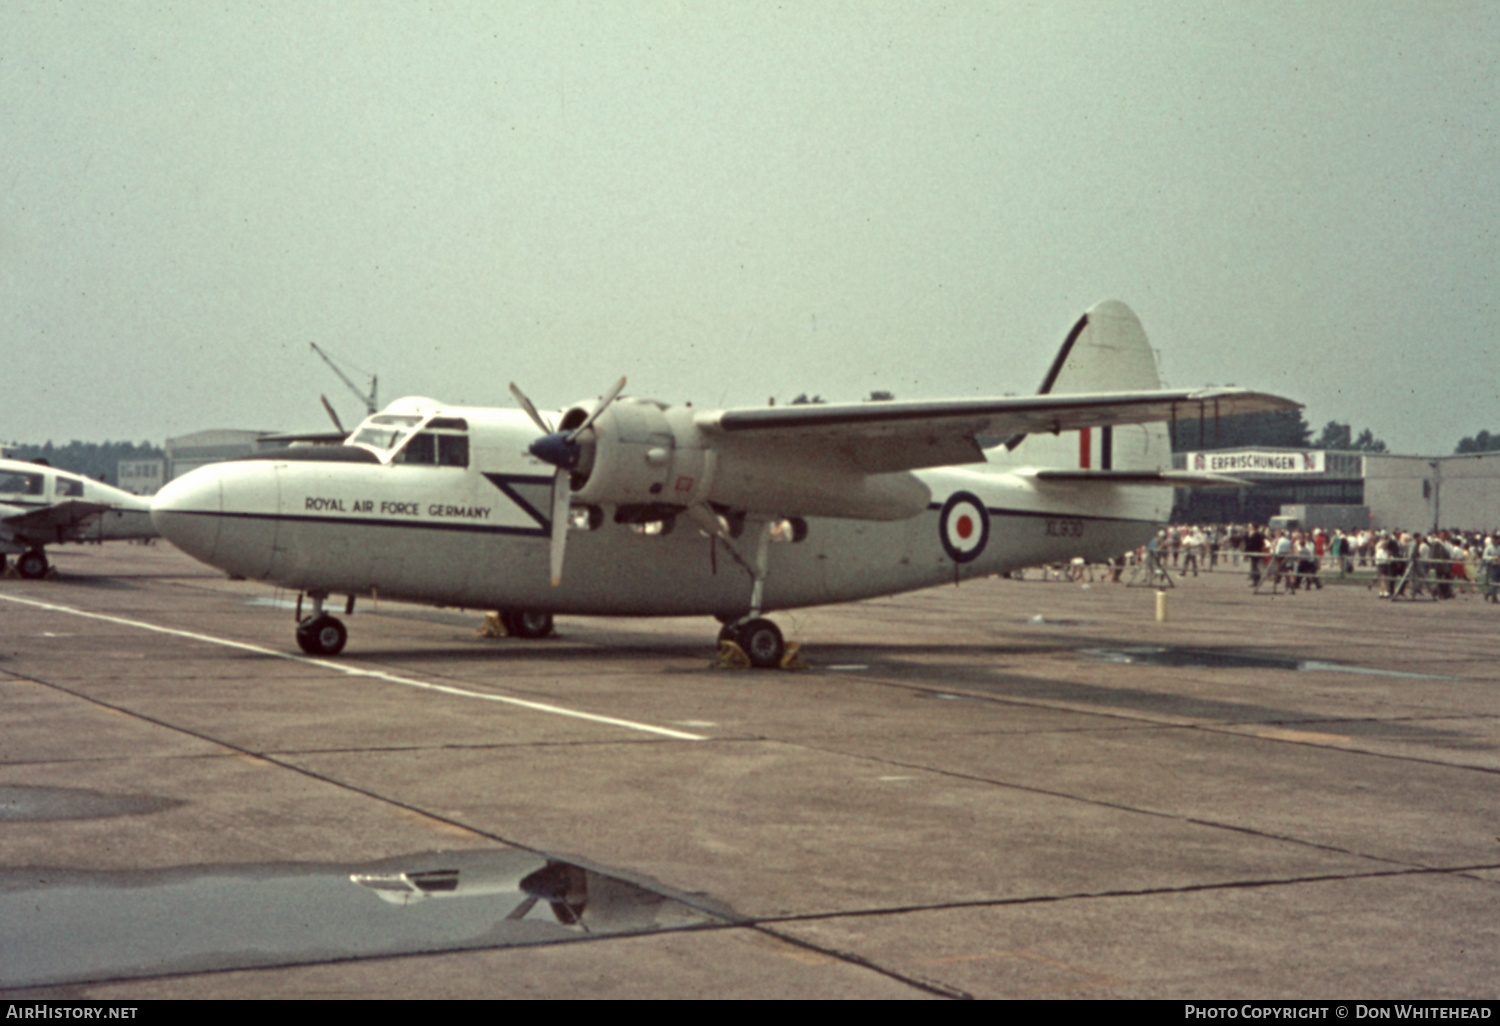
731,657
492,628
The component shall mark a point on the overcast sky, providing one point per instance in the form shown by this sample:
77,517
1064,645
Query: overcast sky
732,201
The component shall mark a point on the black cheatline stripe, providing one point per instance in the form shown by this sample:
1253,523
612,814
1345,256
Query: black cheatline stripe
426,525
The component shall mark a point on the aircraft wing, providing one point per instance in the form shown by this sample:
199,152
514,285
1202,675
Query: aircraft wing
51,522
1175,478
882,437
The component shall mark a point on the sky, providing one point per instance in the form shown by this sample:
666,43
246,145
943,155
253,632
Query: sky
733,201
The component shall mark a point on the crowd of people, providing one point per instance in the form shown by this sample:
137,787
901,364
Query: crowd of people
1403,562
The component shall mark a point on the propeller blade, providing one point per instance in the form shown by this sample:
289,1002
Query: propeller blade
519,912
561,493
613,394
329,407
563,913
536,418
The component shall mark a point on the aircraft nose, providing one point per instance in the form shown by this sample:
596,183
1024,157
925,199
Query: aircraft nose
187,512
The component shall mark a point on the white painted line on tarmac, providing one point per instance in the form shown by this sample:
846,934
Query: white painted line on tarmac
353,671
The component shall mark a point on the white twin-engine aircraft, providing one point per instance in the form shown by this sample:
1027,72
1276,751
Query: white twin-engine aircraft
671,511
41,506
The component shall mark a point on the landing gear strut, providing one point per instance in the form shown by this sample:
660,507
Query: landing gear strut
320,634
757,637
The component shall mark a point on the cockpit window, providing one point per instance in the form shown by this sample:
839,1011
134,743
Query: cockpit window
16,483
437,449
430,441
69,488
385,431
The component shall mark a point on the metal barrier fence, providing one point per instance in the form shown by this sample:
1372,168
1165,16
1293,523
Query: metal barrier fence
1397,577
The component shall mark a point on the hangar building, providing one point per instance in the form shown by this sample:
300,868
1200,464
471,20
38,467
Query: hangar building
1417,493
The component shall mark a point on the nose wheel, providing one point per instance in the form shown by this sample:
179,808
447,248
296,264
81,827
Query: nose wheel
321,636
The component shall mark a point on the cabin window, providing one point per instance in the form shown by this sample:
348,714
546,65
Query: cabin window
68,488
15,483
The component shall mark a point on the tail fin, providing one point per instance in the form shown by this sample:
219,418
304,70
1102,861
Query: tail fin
1107,351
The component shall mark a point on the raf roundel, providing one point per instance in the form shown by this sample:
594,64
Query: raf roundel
963,527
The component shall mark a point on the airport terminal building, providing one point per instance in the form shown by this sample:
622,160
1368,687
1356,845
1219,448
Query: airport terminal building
1415,493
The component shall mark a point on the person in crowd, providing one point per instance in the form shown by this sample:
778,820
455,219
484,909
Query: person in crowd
1255,553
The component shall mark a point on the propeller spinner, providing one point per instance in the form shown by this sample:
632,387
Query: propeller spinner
562,450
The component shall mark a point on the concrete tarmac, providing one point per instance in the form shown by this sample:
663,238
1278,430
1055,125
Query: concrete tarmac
1006,789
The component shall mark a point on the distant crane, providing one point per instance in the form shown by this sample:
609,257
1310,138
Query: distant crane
370,402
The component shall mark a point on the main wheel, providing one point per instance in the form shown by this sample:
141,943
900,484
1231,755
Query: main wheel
321,636
527,625
32,565
761,639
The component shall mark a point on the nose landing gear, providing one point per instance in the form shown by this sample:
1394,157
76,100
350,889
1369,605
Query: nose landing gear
321,634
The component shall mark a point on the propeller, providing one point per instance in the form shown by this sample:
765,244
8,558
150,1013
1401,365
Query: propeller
329,407
563,451
562,886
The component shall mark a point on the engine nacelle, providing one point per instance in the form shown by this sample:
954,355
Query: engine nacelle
640,452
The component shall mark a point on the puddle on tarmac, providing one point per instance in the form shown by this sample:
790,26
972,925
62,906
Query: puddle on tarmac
20,803
61,926
1150,655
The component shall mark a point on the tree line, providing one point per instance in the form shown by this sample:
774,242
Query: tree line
1280,429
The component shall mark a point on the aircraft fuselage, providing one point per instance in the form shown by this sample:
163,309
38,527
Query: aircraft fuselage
477,536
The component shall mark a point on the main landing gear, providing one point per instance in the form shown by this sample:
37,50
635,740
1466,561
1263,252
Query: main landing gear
519,624
321,634
759,638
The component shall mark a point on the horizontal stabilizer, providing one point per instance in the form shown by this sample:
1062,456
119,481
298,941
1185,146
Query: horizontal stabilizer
305,438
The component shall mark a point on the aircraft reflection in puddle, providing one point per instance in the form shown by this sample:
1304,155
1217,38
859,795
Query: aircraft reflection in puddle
60,926
577,897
